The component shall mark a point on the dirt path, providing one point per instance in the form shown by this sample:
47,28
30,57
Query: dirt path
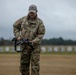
50,64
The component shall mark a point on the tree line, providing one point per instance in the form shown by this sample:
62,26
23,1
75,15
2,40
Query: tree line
51,41
58,41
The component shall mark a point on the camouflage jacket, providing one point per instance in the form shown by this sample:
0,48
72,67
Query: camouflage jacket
33,30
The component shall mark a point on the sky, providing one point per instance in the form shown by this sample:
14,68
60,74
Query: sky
59,16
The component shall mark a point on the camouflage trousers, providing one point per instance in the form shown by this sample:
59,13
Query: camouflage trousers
29,62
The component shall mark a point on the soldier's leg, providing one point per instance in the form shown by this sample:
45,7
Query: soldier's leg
24,62
35,61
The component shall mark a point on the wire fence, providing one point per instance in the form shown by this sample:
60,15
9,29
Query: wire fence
44,49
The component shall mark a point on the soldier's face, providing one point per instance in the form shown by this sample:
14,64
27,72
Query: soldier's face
32,15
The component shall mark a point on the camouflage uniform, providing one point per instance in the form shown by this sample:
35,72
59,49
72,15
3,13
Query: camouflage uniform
34,31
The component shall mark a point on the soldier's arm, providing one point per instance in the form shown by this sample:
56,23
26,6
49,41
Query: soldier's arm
40,33
17,27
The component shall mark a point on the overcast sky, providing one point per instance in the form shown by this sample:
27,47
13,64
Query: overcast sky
59,16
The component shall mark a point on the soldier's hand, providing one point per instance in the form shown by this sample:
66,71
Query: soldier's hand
31,42
19,38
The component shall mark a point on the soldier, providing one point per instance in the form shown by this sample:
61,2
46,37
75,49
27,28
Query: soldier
30,27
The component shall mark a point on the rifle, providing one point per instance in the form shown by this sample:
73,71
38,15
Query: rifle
21,42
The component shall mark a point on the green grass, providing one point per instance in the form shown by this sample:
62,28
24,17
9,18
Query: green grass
46,53
61,53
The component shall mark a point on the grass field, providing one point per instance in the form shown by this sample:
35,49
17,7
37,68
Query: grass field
50,64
